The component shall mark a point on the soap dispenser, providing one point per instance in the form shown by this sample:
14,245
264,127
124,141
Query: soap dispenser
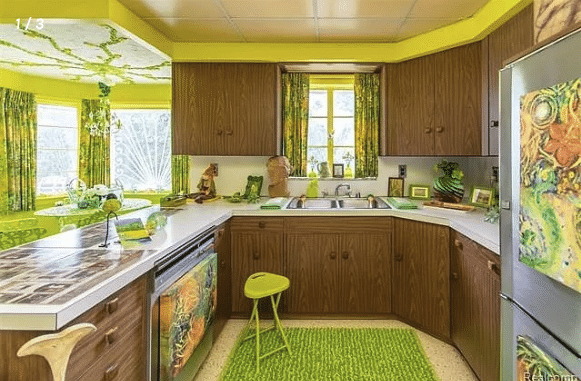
313,188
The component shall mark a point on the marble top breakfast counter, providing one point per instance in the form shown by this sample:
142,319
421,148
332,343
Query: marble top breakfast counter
46,284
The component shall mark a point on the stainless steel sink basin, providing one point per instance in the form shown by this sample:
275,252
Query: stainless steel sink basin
341,203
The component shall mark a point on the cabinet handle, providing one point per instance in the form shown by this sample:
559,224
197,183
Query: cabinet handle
439,129
428,130
223,264
219,132
398,257
110,335
333,255
455,276
112,305
458,244
229,132
492,266
345,255
220,233
262,224
256,255
111,372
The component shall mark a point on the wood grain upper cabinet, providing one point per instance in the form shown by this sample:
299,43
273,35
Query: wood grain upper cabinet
224,108
421,270
256,245
511,38
339,265
475,306
435,104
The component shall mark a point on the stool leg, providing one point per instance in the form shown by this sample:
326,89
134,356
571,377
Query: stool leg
277,323
255,312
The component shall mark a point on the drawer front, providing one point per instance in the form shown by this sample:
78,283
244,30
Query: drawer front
257,224
116,320
124,361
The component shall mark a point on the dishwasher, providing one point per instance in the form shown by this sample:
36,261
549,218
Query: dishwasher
183,309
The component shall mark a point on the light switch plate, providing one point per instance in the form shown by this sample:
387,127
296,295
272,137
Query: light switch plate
215,169
402,169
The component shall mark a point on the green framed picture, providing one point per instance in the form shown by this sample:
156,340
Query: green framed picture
420,192
481,196
253,187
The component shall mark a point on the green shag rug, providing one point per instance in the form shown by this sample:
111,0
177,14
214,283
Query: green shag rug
338,354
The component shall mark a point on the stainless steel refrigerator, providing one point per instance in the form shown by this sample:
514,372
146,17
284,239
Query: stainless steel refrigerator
540,235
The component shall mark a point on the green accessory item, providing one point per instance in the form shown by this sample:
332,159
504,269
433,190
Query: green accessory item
253,186
449,187
261,285
275,203
401,203
335,354
313,188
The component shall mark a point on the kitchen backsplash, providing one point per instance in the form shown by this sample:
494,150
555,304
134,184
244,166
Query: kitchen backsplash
234,170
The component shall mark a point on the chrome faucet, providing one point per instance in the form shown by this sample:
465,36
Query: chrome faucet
347,186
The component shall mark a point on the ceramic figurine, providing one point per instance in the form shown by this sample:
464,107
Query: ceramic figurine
206,186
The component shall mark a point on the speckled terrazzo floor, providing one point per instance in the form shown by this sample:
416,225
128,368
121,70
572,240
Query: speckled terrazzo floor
446,360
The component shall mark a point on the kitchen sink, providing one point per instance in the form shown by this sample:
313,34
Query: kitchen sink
339,203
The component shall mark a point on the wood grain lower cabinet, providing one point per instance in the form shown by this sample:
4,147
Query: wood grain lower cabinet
338,265
421,275
475,306
115,351
257,245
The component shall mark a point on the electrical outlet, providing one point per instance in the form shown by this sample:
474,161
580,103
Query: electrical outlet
495,174
215,169
402,170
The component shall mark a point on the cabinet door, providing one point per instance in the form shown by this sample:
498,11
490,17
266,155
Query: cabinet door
514,36
200,108
475,306
421,268
365,274
411,107
458,101
313,272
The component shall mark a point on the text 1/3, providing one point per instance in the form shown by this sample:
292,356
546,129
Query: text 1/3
26,23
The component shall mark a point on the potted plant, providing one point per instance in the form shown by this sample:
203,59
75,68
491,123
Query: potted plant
449,187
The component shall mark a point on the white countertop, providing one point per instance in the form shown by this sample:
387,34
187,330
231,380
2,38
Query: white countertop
127,265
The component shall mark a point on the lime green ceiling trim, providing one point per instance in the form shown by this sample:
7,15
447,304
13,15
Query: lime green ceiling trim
70,91
492,15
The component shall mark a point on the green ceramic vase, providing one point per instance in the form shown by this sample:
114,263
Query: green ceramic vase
448,189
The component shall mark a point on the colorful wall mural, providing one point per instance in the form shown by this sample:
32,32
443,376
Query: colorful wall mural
550,182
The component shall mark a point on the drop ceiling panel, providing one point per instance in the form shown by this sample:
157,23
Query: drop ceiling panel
196,30
187,9
363,8
358,30
269,8
449,9
281,30
412,27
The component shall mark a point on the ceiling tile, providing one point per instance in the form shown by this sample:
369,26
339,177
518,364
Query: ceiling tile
195,30
452,9
269,8
412,27
281,30
363,8
360,30
187,9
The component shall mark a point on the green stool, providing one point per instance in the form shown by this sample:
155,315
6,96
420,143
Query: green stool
261,285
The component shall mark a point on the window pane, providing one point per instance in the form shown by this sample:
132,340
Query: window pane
343,103
317,132
344,132
141,152
63,116
53,183
55,137
318,103
340,153
320,155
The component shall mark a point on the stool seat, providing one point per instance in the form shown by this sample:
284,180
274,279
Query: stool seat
260,285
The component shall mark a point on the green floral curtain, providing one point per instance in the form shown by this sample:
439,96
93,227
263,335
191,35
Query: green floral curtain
366,124
295,120
94,142
17,150
180,174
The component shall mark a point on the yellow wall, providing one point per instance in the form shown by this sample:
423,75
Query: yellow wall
66,92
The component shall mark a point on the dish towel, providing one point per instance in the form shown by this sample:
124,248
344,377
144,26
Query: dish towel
275,203
401,203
